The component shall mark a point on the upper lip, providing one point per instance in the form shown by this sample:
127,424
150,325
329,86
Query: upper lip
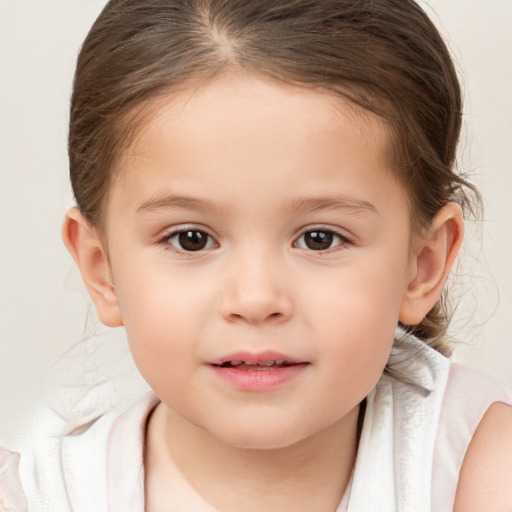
255,358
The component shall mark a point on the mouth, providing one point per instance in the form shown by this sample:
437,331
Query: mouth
265,361
263,372
270,365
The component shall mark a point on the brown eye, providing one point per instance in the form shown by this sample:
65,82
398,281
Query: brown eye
191,240
319,240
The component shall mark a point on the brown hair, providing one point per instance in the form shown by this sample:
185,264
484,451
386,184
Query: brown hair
384,55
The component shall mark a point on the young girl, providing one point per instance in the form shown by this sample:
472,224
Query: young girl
266,200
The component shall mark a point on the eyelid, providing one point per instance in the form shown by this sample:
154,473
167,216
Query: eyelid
173,231
342,236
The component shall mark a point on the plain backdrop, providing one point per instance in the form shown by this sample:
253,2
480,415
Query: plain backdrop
47,332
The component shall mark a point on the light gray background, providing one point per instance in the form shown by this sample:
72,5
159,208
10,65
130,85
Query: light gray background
44,313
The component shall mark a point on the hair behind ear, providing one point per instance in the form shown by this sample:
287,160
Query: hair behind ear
89,253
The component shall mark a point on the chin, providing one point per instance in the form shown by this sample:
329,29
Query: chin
260,439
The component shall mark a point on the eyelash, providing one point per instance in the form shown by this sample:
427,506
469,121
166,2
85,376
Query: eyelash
329,235
332,235
166,240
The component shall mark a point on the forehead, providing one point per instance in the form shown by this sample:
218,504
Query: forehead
246,100
244,128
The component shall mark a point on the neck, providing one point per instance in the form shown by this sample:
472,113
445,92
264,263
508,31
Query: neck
233,479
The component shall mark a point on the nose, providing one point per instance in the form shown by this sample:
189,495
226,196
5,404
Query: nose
255,291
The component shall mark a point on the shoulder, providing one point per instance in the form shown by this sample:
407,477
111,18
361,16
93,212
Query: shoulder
63,465
96,461
67,472
12,496
468,397
485,476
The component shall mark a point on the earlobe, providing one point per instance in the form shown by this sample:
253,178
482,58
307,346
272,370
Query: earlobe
89,254
432,259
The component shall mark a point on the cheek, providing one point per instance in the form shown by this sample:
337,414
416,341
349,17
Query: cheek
162,315
355,318
155,296
355,301
355,358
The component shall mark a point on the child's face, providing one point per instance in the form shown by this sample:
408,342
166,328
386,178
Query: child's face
295,245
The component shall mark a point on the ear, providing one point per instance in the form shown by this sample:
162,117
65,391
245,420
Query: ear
90,255
433,255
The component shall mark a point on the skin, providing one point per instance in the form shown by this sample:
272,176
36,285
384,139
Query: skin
484,481
257,166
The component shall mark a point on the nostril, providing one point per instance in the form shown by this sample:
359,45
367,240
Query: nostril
255,309
271,317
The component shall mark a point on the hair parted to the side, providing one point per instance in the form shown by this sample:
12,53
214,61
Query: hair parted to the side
384,55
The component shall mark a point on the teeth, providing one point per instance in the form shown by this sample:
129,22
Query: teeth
265,364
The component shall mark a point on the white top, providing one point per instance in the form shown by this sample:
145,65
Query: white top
416,430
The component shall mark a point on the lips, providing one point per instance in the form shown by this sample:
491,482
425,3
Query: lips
257,372
238,364
257,362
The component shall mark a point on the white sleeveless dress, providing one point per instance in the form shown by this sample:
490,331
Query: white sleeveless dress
416,430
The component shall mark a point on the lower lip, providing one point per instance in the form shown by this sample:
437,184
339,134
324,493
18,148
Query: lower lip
259,380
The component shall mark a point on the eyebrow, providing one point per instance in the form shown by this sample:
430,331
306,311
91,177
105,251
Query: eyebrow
346,204
178,202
